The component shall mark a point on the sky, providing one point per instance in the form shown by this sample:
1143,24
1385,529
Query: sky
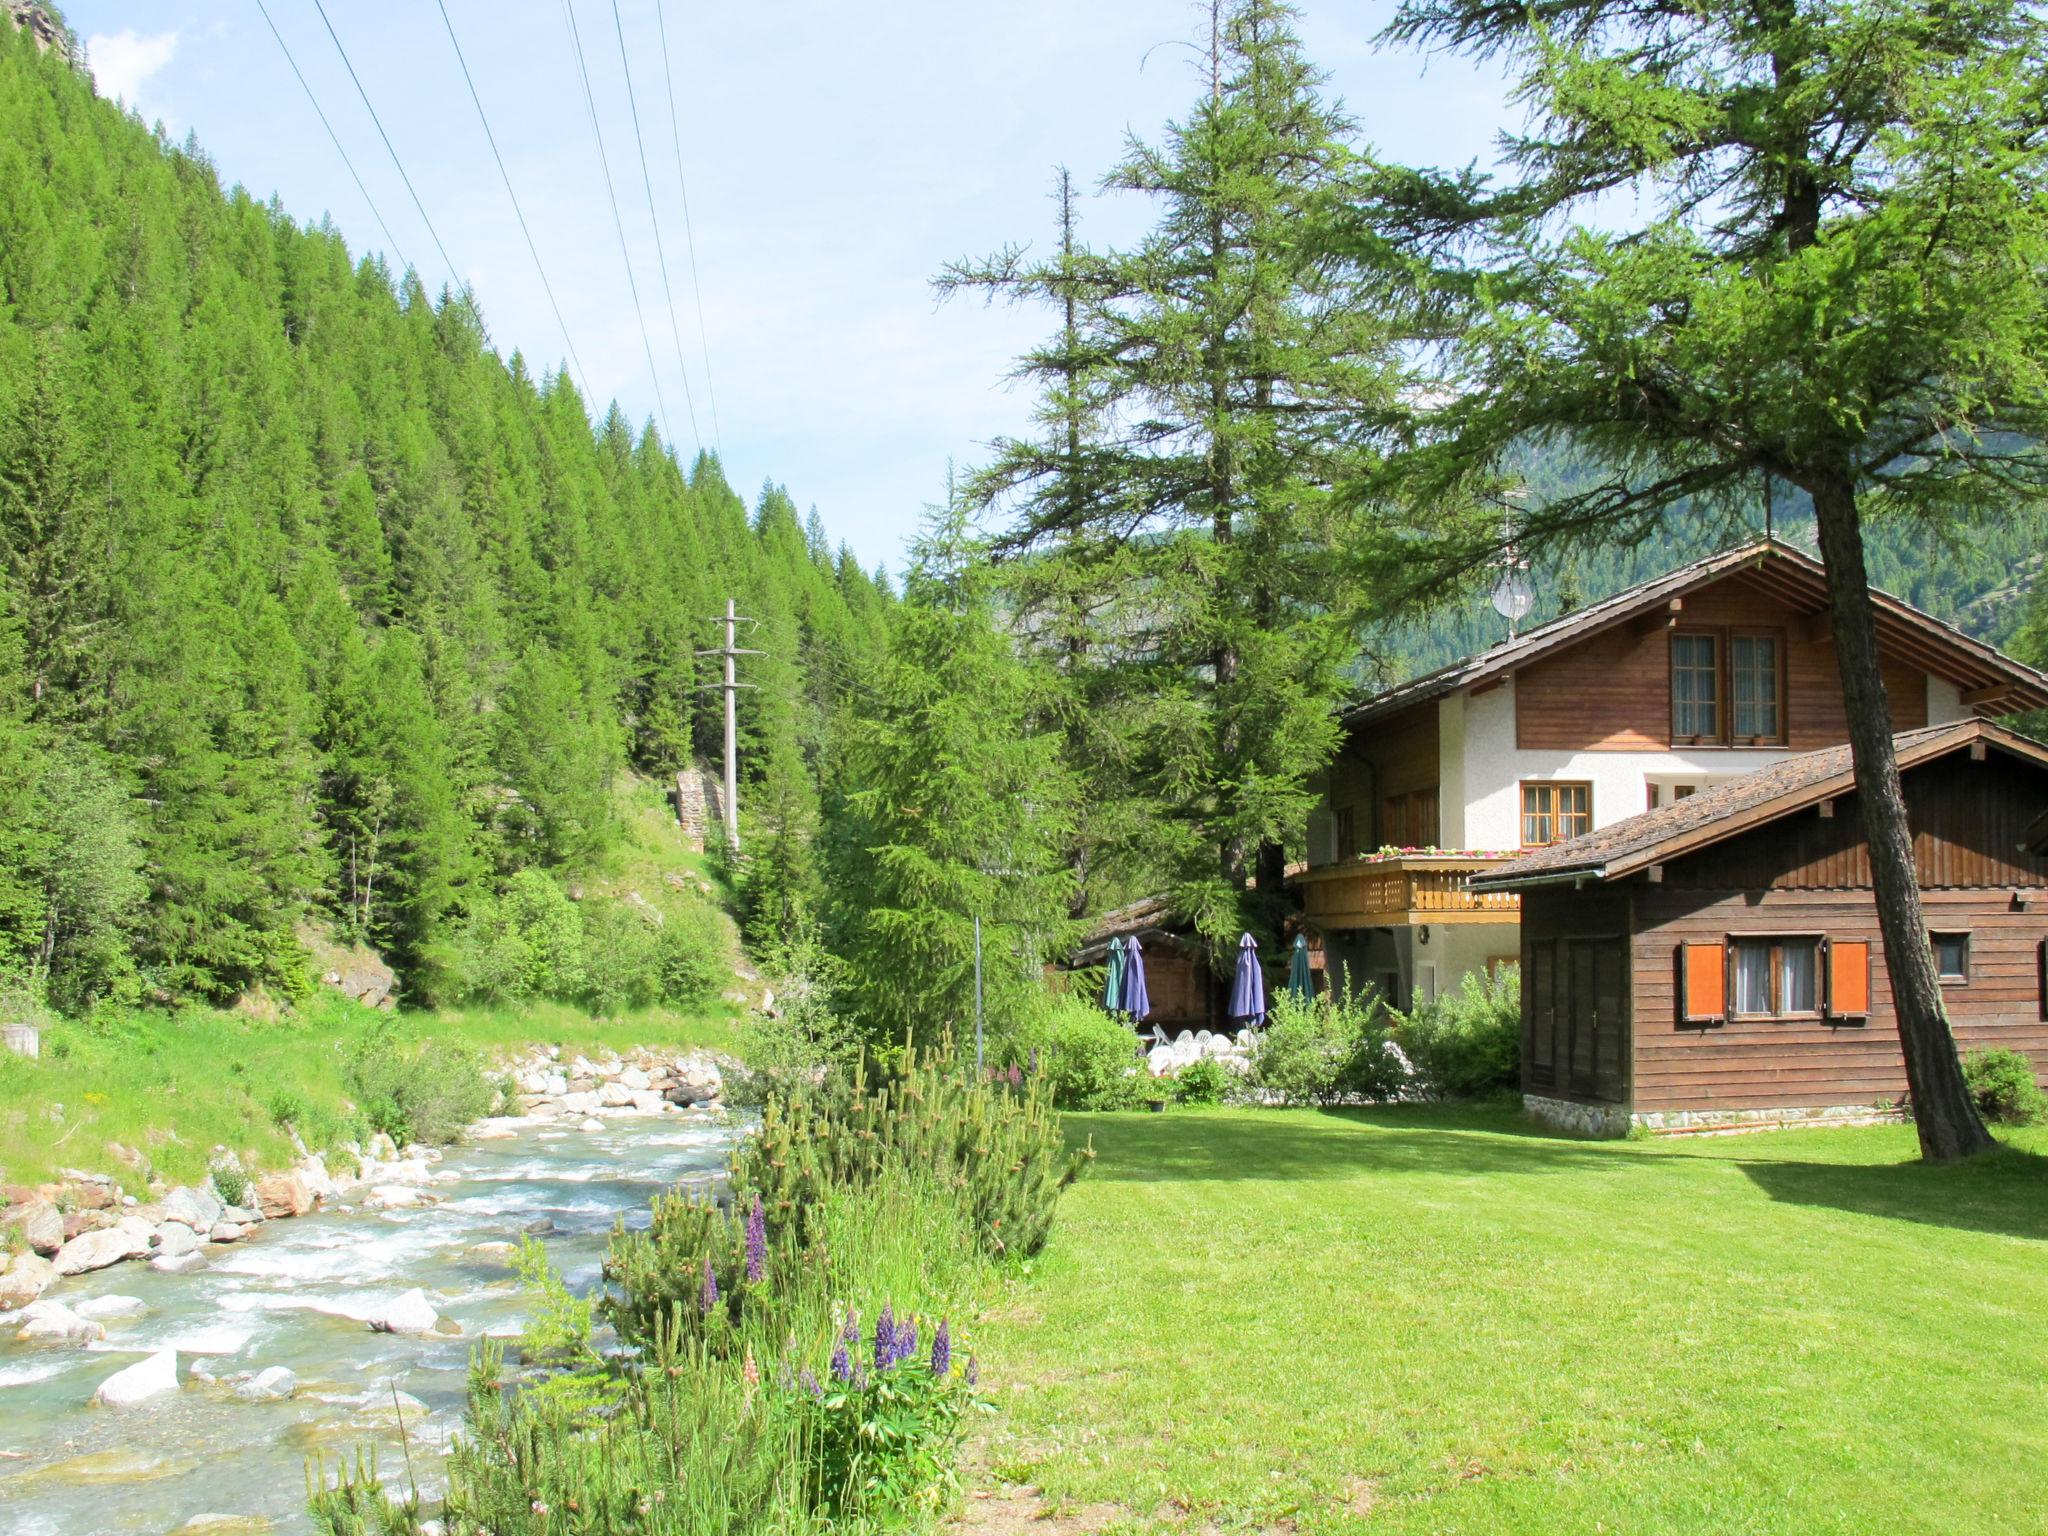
833,158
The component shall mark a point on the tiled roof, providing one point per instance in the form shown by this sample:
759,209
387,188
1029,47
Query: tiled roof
1724,809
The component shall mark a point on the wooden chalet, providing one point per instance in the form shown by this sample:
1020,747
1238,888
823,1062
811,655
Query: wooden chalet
1717,960
1185,992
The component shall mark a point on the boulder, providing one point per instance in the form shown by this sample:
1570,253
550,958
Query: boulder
226,1232
411,1313
96,1250
555,1086
648,1102
42,1227
579,1103
635,1080
318,1181
268,1386
24,1279
178,1263
614,1096
392,1197
242,1215
141,1382
540,1226
194,1208
591,1125
687,1094
108,1308
280,1195
54,1323
383,1148
174,1238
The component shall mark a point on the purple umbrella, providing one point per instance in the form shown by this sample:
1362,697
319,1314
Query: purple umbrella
1248,990
1137,1001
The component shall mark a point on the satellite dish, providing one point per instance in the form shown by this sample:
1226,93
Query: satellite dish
1513,597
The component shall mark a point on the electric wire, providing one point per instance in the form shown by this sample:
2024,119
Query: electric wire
618,222
453,275
334,138
689,234
660,255
518,212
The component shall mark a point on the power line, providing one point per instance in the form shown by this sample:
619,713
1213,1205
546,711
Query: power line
453,275
519,212
619,223
689,235
334,137
660,256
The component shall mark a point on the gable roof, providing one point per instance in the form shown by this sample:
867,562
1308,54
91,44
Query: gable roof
2001,684
1724,810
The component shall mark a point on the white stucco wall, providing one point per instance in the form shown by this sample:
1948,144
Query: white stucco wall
1944,702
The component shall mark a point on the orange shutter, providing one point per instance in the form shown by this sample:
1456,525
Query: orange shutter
1703,982
1849,978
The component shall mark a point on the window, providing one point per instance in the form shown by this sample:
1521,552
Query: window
1656,795
1695,687
1952,956
1555,813
1753,686
1683,791
1409,821
1776,978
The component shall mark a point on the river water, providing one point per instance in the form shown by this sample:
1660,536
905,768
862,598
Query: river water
294,1294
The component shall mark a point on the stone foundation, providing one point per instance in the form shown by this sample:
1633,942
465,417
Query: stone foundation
1604,1120
1609,1120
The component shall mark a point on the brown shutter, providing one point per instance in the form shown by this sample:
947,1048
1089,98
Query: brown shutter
1703,983
1849,978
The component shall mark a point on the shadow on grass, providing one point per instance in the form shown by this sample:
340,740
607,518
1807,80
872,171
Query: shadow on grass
2005,1192
1333,1144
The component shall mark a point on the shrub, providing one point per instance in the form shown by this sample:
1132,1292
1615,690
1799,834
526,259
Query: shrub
428,1093
621,967
1468,1043
690,957
1203,1081
525,942
807,1033
229,1180
1325,1051
1083,1058
2002,1083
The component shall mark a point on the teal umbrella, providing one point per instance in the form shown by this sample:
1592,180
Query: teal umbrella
1299,981
1113,984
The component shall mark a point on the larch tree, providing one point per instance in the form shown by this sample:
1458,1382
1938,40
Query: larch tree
1202,394
1743,239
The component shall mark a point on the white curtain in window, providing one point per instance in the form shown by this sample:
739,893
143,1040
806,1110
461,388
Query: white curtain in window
1752,978
1797,974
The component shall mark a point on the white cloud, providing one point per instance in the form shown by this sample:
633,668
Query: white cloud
123,62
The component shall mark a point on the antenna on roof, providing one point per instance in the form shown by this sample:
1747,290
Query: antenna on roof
1513,597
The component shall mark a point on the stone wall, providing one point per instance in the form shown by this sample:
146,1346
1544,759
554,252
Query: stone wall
1610,1120
1606,1120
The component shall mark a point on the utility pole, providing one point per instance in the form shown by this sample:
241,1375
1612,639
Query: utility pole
730,805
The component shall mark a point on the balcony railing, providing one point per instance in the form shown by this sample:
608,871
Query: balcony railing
1404,888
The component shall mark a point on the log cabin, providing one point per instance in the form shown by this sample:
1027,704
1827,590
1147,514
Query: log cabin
1716,961
1673,687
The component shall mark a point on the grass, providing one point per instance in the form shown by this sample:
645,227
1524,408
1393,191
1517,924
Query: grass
1437,1320
170,1087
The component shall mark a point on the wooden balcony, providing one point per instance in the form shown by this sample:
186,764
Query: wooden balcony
1409,888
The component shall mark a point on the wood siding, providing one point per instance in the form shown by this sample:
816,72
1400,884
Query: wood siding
1612,693
1575,1008
1393,757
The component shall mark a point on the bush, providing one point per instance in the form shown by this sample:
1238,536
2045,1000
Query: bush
428,1093
525,942
1204,1081
1083,1058
808,1032
690,957
1326,1051
1468,1043
2002,1083
621,957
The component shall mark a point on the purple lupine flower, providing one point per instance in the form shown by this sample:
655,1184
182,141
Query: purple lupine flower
787,1378
809,1382
860,1377
906,1338
709,1299
885,1338
942,1350
851,1332
842,1365
973,1370
757,1243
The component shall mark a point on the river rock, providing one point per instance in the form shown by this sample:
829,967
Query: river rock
25,1278
635,1080
194,1208
96,1250
540,1226
411,1313
578,1103
242,1215
319,1183
174,1238
686,1095
614,1096
268,1386
140,1382
280,1195
52,1322
591,1125
397,1197
556,1086
648,1102
226,1232
383,1148
178,1263
108,1308
42,1227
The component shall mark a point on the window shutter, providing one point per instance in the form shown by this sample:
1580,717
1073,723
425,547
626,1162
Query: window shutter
1849,978
1703,983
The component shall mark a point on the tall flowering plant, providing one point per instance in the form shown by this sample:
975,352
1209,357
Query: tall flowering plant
883,1424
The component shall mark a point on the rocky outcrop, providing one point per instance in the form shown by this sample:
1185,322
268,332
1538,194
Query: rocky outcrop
584,1092
25,1277
280,1196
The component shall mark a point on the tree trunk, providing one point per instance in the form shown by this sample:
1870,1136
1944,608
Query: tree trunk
1943,1112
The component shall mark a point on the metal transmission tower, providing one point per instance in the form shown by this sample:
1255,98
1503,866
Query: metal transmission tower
731,651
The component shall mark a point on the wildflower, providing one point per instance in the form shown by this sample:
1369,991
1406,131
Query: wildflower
942,1350
709,1299
757,1243
842,1368
860,1378
973,1370
750,1372
885,1338
906,1339
1016,1076
851,1333
809,1382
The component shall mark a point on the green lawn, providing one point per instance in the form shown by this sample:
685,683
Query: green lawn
1437,1320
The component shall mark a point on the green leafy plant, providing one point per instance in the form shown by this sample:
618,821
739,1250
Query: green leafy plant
230,1182
1083,1058
2003,1084
1325,1051
1204,1081
1469,1042
427,1093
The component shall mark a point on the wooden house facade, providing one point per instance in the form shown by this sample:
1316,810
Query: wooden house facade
1718,961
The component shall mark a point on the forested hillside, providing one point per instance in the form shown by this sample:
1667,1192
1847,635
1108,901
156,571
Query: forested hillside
312,606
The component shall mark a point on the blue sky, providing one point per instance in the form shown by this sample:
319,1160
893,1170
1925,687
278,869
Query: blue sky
835,157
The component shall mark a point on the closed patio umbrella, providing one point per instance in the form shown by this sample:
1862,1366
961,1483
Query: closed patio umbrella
1248,990
1299,982
1137,1002
1113,984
